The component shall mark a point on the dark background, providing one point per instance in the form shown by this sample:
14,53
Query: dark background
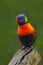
9,42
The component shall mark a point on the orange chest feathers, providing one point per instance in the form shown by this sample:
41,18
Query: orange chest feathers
25,29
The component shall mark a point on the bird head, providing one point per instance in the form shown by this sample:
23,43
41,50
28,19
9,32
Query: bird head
21,19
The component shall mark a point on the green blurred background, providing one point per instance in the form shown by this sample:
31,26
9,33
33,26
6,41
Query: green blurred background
9,42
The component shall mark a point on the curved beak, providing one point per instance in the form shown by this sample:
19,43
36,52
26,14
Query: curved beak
17,20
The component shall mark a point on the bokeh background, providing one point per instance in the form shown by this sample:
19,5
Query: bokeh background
9,42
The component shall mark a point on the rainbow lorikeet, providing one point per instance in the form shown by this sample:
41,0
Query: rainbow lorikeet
26,31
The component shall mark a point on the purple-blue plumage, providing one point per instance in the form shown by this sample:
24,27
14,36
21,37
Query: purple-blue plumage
21,18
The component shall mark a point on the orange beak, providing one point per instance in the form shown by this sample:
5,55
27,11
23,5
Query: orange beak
17,20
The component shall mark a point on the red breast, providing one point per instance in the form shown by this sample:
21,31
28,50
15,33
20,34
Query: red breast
25,29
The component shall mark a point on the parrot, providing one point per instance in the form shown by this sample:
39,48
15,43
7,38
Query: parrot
25,31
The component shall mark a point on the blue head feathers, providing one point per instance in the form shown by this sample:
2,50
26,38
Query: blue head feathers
20,19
